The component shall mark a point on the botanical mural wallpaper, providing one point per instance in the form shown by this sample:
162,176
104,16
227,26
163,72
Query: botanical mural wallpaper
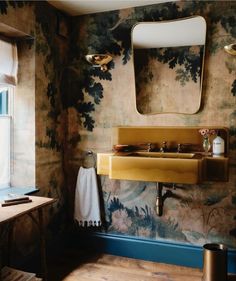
198,213
48,53
77,105
51,59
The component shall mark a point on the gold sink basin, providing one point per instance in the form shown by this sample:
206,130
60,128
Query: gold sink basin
162,154
172,167
151,166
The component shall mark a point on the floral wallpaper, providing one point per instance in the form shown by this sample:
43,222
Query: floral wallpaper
51,58
45,54
77,105
98,101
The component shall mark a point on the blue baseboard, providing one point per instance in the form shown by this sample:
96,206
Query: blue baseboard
151,250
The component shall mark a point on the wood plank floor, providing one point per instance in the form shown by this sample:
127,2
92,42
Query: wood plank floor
74,266
113,268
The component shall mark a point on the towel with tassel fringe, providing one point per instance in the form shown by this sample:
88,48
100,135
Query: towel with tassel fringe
87,209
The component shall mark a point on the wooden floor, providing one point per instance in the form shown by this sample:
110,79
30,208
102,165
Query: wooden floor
100,267
112,268
123,269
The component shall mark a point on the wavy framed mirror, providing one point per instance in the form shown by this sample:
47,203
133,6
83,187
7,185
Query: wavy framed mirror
168,59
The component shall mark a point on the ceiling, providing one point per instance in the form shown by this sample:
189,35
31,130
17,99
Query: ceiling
83,7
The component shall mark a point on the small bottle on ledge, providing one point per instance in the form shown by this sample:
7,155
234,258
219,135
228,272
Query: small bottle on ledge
218,148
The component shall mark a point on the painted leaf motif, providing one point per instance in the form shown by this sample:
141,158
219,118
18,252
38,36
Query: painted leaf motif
88,122
115,204
102,75
233,90
85,107
214,199
96,91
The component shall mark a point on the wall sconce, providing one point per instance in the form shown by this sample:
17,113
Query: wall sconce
230,49
99,60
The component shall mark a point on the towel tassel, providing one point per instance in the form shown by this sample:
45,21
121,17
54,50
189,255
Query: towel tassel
88,223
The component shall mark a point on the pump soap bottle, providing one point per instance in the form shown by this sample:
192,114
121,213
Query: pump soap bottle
218,148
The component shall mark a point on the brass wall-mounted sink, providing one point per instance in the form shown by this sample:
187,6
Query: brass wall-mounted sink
156,169
151,166
169,167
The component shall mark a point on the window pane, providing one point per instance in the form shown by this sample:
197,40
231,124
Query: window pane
3,102
5,123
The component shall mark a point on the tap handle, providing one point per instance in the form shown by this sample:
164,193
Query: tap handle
149,147
179,147
164,146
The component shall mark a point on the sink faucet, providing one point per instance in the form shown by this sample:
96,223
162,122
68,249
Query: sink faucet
149,147
179,147
164,147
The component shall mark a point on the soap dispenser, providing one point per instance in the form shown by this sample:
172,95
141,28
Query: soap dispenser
218,145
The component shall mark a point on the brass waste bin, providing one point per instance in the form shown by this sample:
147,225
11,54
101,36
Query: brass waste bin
214,262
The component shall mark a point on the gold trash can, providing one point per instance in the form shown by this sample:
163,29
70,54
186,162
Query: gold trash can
215,262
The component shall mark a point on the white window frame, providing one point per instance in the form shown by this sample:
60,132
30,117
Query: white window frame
9,116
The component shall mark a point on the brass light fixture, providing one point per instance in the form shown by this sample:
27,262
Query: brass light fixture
230,49
99,60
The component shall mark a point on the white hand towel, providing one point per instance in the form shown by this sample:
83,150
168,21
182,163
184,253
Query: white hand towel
87,210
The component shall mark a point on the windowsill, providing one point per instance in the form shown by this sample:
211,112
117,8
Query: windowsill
17,190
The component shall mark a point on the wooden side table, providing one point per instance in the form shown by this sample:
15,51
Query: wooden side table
9,214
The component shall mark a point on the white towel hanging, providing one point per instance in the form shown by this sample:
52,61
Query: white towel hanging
87,209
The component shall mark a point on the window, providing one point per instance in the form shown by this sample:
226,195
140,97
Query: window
8,78
5,135
17,114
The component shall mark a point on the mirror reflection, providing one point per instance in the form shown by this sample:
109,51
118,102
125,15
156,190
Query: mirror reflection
168,65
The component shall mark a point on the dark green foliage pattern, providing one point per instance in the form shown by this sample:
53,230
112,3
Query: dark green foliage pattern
233,90
143,218
79,81
110,33
50,51
214,199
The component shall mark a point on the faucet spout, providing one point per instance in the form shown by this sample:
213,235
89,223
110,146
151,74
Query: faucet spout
150,146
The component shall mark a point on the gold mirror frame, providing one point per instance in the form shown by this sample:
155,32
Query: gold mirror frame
198,104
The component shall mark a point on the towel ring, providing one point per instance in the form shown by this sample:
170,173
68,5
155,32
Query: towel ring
89,160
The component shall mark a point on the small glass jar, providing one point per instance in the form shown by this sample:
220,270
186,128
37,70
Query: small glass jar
206,144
